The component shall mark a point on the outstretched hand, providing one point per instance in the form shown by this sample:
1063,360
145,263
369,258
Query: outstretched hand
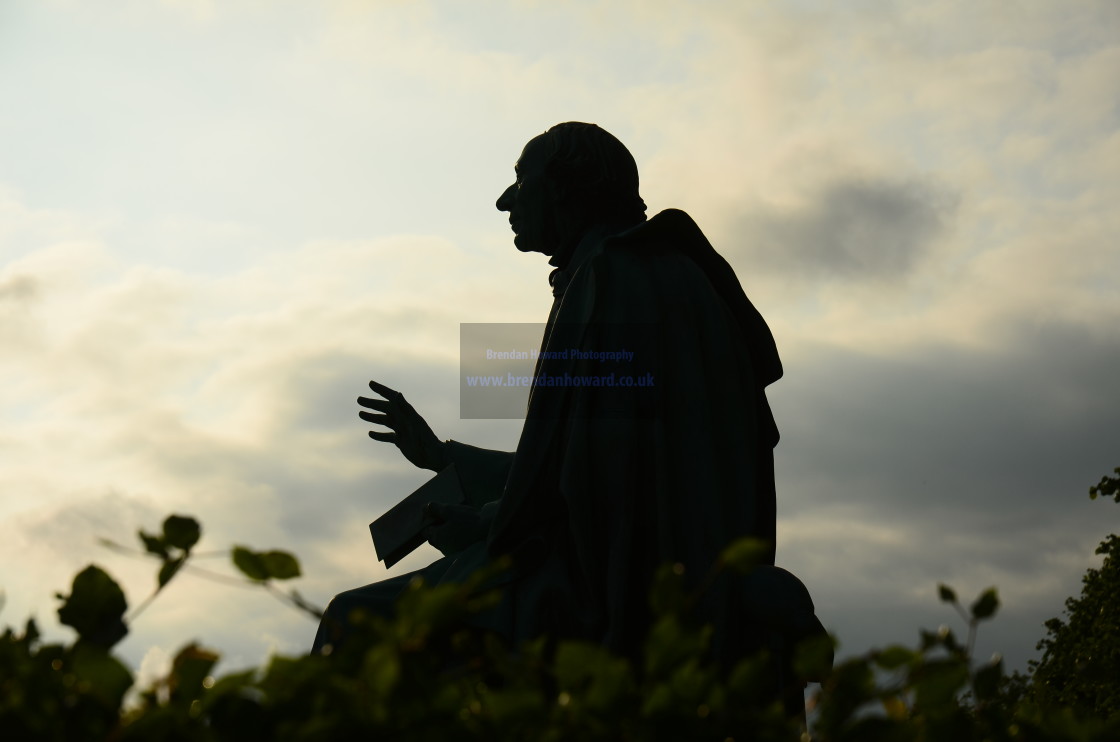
410,432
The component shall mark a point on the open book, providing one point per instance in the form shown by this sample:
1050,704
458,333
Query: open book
399,531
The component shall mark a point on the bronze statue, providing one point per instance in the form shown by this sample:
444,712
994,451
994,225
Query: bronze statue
607,482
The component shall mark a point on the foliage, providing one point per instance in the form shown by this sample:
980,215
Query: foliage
1108,486
1080,664
425,676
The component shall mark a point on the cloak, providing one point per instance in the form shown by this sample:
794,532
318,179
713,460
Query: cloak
609,480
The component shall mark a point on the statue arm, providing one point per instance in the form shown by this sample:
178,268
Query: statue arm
482,471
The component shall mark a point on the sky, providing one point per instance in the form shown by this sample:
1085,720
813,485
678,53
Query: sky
220,220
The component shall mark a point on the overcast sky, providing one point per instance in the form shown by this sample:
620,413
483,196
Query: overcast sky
219,220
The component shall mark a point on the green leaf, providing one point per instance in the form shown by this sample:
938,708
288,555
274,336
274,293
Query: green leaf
169,569
894,657
280,565
189,669
751,677
1108,486
813,657
422,609
986,680
670,643
986,605
233,683
381,669
265,565
153,544
100,674
745,554
946,593
936,683
590,673
31,631
95,607
181,531
518,704
250,563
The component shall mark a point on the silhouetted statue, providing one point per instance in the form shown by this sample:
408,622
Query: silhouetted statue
609,482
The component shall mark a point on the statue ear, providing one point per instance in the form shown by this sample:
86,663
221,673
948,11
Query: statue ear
559,190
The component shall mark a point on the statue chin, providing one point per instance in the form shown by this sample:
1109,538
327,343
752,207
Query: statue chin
524,245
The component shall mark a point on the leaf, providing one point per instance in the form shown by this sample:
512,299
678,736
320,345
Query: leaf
517,704
946,593
895,707
670,643
181,531
381,669
280,565
189,669
745,554
169,569
250,563
95,607
894,657
936,683
986,680
590,673
751,677
265,565
100,674
31,632
153,544
813,657
233,683
424,610
986,605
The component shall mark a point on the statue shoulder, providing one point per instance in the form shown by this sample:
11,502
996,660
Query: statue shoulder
662,248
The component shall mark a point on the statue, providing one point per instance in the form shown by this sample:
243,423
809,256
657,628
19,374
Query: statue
607,482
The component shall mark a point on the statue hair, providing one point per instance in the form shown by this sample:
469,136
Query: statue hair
595,171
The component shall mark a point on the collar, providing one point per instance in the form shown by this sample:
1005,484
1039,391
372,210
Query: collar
592,239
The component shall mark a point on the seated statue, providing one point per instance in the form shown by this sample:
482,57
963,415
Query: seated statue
608,482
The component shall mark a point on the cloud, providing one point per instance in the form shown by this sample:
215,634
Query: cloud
850,230
207,256
150,390
943,427
945,463
18,290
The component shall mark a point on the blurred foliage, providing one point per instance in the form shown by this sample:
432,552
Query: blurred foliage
1080,664
426,676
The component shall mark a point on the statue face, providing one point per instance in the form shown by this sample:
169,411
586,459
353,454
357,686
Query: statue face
531,202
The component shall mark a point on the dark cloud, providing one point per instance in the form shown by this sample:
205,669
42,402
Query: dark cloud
987,428
947,464
849,229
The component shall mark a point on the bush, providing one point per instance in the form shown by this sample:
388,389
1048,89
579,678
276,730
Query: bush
425,676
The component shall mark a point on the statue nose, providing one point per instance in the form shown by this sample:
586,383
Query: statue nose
505,201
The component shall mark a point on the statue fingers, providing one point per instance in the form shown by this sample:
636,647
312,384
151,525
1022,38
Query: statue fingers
380,405
383,390
370,417
392,395
383,437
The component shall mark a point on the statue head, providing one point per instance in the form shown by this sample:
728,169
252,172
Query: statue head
573,177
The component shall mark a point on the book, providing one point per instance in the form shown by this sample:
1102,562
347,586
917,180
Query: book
398,532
